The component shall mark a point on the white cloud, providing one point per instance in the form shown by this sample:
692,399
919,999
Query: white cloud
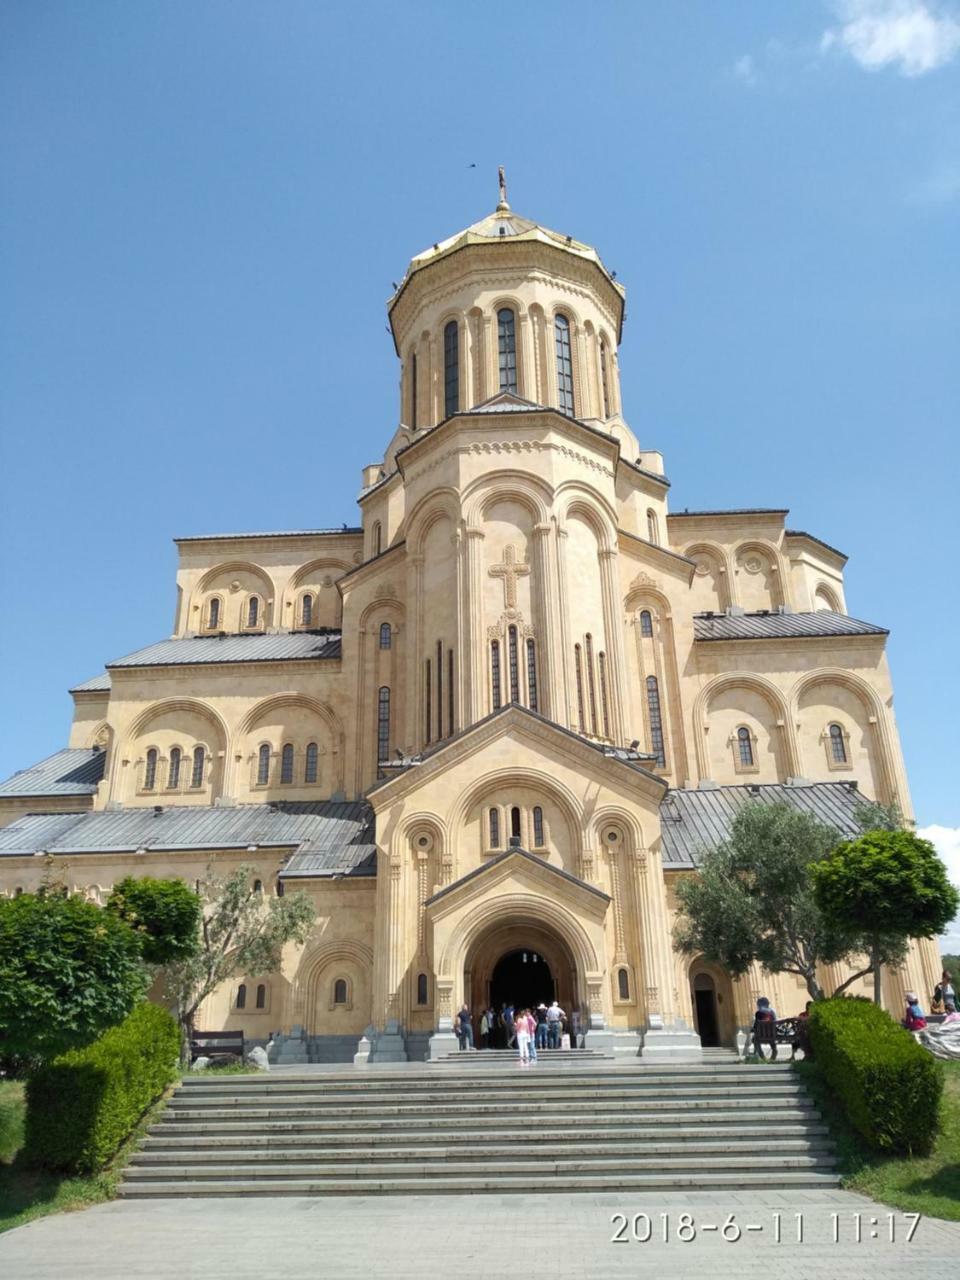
913,35
946,841
745,70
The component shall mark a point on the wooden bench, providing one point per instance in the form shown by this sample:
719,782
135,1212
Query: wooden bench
216,1044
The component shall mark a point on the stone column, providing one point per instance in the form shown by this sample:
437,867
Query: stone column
491,380
473,652
527,382
414,707
545,623
665,1034
389,962
566,644
613,635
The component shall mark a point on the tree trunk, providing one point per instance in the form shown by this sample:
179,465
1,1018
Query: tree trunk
814,989
877,976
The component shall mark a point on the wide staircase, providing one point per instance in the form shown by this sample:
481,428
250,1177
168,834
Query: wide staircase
575,1125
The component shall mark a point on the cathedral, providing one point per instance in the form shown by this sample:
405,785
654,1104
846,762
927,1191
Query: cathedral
489,728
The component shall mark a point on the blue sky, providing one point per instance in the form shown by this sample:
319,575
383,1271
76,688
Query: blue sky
206,204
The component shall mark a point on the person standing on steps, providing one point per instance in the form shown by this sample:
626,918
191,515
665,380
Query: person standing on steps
540,1035
484,1030
522,1028
532,1032
465,1028
509,1030
555,1017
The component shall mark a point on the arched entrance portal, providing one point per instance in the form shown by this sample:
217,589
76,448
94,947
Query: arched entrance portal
711,995
523,963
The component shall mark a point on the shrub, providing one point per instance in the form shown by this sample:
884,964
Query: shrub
165,915
82,1105
889,1085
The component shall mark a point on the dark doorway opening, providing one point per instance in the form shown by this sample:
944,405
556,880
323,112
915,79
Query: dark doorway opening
707,1018
523,979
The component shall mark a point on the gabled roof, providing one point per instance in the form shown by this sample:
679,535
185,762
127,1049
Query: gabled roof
780,626
524,854
74,771
343,531
627,759
504,402
692,822
732,511
327,838
286,646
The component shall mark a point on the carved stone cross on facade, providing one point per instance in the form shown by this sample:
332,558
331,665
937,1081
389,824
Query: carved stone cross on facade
510,571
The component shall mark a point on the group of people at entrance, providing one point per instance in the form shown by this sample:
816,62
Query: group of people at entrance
525,1030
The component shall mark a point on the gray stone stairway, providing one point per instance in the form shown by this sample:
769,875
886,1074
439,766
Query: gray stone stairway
421,1129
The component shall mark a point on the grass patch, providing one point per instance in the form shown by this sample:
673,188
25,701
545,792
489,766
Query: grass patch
25,1193
929,1184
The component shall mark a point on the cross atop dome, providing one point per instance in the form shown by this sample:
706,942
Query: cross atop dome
503,205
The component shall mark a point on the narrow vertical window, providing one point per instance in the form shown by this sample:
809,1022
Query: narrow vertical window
340,991
591,686
451,368
561,329
494,819
495,673
242,996
531,675
515,823
653,528
422,989
538,840
173,773
413,390
428,702
213,617
646,623
507,348
578,665
306,610
253,611
745,747
261,996
286,763
656,722
450,697
263,765
439,690
386,635
311,761
514,664
150,772
383,725
377,538
604,705
199,760
838,748
604,379
623,984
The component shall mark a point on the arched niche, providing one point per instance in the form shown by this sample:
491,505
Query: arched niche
292,721
232,583
733,705
823,701
758,577
710,587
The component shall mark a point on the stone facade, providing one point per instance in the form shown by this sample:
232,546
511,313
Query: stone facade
511,661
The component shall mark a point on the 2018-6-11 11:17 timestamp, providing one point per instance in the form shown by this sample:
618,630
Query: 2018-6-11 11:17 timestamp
842,1228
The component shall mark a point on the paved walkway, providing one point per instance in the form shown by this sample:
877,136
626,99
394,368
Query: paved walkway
421,1237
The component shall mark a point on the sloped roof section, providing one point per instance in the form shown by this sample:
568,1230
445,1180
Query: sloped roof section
74,771
780,626
326,838
288,646
693,821
95,684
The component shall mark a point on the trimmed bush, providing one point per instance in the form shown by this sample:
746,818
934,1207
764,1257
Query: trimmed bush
82,1105
889,1085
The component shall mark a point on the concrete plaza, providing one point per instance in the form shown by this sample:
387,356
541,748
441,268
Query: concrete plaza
419,1237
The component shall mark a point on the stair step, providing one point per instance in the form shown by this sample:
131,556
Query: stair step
546,1166
700,1181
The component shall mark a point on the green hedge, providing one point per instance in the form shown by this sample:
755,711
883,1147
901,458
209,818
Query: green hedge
82,1105
889,1085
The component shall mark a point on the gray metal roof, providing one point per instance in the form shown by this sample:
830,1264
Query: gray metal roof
94,685
734,511
327,837
692,822
780,626
283,533
802,533
504,402
74,771
286,646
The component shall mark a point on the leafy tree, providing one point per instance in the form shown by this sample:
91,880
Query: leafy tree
952,965
68,971
889,886
753,899
242,931
165,914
